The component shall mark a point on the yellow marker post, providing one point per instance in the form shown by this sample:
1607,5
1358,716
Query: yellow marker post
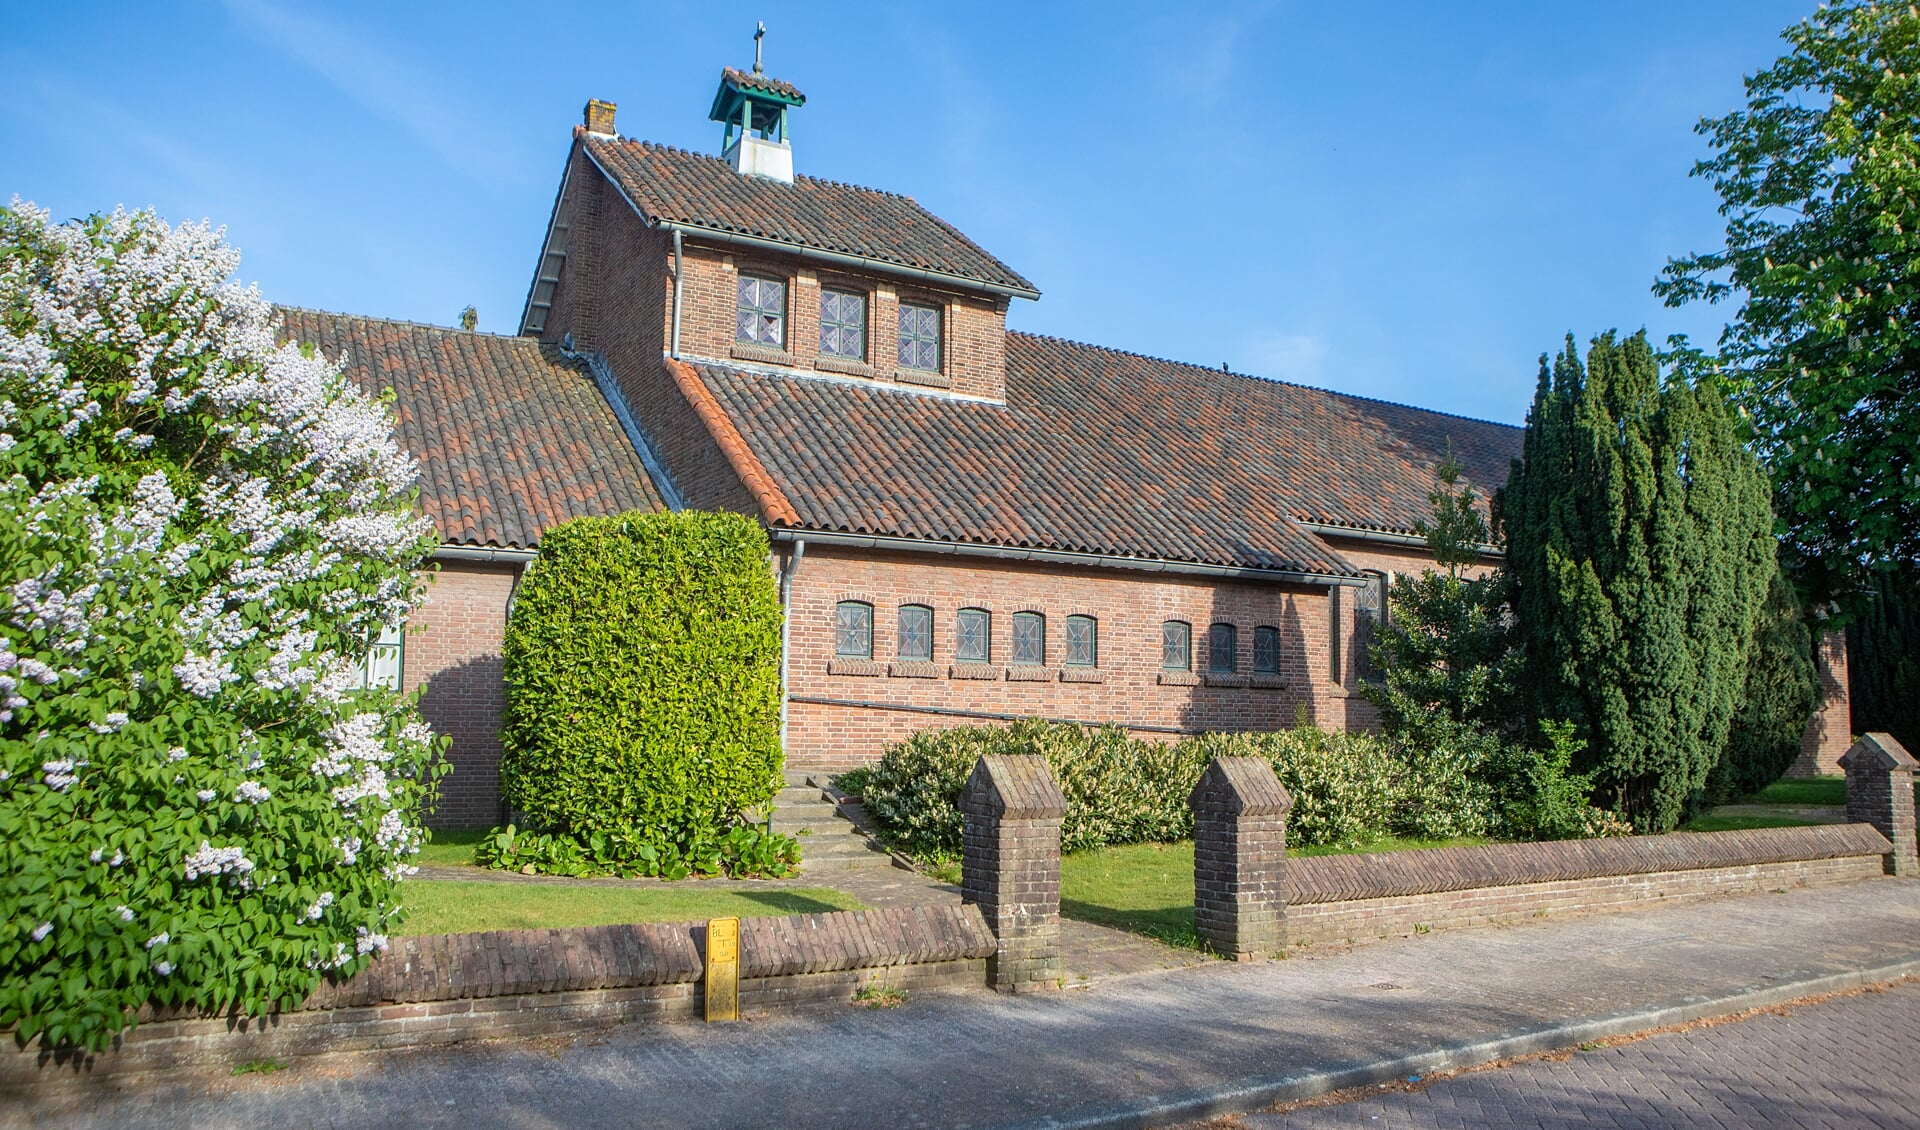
723,969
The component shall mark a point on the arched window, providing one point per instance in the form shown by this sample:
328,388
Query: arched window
1266,651
1029,639
916,632
853,629
1083,641
1176,645
1223,649
973,635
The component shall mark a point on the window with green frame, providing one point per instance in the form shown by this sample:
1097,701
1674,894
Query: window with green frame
1029,639
1176,645
1083,641
919,337
853,630
843,324
973,635
762,312
915,636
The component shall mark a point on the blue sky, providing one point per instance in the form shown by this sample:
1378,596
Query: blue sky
1409,201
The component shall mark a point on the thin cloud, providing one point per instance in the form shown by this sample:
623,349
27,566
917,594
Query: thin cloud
383,84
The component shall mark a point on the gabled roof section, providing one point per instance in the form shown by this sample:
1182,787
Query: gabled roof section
698,192
511,437
1103,452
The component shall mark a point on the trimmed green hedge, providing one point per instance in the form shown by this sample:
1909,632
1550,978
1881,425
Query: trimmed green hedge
642,663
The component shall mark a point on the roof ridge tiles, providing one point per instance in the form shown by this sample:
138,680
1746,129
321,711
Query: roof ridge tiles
1257,377
684,152
487,334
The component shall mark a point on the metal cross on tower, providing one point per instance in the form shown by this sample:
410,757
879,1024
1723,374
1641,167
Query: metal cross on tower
759,34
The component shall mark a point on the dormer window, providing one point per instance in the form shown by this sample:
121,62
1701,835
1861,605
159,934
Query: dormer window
843,325
920,337
762,312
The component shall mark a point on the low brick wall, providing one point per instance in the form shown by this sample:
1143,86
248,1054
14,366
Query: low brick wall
1357,897
446,988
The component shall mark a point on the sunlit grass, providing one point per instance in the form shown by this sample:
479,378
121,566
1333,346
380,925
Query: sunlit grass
449,849
1148,888
461,906
1805,791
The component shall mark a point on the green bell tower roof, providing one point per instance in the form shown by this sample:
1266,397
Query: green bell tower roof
753,102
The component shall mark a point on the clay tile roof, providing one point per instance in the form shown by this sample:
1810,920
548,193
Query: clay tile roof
764,83
1100,451
677,186
510,436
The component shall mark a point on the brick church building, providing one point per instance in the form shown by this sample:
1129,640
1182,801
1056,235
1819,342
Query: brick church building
969,524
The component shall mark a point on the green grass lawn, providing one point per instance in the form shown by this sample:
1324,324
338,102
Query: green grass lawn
1148,888
1805,792
451,849
436,906
1740,823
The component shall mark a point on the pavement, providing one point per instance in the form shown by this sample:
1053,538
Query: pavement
1838,1062
1154,1048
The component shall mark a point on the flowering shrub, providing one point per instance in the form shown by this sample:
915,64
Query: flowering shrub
200,536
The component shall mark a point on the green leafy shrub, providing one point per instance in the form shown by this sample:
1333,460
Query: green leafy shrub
1541,798
642,663
200,537
913,791
1346,787
854,781
1121,790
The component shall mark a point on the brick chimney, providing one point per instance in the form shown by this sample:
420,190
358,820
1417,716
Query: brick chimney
600,117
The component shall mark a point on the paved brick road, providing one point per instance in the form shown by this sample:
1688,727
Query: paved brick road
1848,1061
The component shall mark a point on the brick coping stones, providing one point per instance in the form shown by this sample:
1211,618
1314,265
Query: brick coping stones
1338,878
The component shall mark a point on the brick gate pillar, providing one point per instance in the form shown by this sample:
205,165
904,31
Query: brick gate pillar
1240,858
1010,867
1880,792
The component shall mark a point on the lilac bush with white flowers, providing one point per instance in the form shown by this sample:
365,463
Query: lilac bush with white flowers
201,535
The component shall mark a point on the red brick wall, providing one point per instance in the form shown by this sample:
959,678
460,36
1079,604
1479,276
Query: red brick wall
615,296
973,327
1829,731
453,650
1130,608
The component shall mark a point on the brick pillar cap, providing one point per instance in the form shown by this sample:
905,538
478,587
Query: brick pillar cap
1242,785
1877,751
1017,785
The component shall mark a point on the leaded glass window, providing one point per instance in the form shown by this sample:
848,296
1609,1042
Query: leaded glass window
1176,645
1223,648
1029,639
973,629
853,630
762,312
1369,615
1266,651
920,336
843,324
1083,641
916,631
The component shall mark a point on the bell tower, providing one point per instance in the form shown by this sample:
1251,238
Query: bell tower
752,111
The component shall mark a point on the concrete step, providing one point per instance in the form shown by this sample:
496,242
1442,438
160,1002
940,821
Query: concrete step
808,808
798,795
816,865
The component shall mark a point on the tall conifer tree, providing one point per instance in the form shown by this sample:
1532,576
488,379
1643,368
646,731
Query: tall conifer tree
1640,548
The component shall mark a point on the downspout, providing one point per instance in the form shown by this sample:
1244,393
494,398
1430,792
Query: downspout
787,569
679,274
